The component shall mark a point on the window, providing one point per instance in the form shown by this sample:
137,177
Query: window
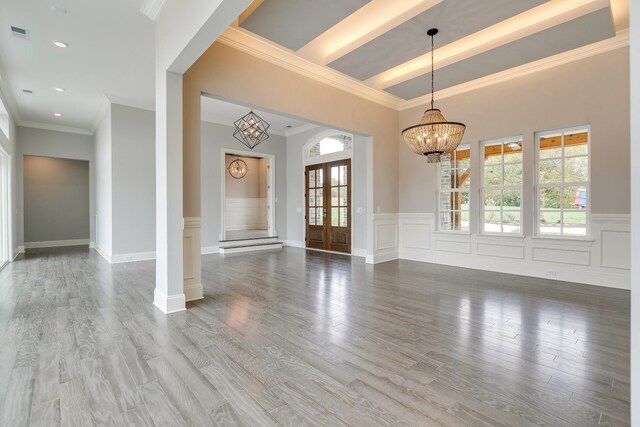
563,182
501,186
453,194
329,145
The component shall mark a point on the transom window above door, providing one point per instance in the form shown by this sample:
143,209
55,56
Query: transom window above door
329,145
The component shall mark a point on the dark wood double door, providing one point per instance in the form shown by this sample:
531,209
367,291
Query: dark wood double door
328,206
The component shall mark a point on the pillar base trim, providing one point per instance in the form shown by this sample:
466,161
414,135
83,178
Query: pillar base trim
193,292
169,304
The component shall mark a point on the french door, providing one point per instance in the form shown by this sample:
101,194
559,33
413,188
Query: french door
328,206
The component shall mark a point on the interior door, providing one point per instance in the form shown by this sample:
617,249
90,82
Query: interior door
328,206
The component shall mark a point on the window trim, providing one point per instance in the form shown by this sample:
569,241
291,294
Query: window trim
439,228
537,136
482,188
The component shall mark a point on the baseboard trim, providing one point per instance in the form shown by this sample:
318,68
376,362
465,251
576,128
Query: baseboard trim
56,243
169,304
104,254
19,250
208,250
193,292
133,257
298,244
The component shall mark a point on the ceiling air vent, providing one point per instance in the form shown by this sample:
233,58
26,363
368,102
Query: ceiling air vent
28,92
20,32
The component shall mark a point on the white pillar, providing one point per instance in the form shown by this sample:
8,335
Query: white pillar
169,294
634,48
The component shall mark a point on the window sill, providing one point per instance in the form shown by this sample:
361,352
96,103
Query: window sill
452,233
499,236
577,241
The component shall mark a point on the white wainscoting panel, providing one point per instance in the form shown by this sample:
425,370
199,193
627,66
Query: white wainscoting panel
454,246
601,260
501,251
562,256
191,261
385,239
245,213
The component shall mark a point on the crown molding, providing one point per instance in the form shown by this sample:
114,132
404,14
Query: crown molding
133,103
56,128
299,129
620,40
152,8
261,48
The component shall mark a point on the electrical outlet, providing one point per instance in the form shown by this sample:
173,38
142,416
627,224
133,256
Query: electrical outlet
359,210
552,273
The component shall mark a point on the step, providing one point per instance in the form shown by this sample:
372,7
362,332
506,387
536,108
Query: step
250,247
240,242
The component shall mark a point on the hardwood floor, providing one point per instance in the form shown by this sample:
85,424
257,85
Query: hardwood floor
296,338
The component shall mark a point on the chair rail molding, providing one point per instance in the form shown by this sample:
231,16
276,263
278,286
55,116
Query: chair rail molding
603,259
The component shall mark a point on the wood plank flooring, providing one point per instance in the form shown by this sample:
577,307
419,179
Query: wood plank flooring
294,338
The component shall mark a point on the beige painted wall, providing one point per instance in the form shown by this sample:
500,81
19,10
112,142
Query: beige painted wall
228,73
592,91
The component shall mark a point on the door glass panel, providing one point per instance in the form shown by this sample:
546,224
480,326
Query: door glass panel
312,197
312,179
343,217
335,175
343,196
335,217
319,178
343,175
319,201
334,196
319,216
312,216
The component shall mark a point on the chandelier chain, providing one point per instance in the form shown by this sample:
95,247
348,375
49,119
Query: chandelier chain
432,72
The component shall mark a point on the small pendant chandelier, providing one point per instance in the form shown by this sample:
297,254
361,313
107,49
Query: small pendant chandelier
238,168
434,135
251,130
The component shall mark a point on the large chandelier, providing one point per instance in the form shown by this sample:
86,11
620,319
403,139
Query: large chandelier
251,130
434,135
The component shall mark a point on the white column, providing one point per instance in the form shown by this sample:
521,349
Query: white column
169,294
635,212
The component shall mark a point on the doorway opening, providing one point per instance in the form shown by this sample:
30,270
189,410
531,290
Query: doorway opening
247,195
328,207
5,240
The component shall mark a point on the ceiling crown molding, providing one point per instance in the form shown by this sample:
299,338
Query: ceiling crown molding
152,8
261,48
56,128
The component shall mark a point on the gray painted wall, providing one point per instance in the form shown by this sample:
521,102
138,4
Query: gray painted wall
56,199
134,176
215,137
54,144
545,100
103,220
295,187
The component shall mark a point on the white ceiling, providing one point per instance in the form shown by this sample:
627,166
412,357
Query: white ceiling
111,51
226,113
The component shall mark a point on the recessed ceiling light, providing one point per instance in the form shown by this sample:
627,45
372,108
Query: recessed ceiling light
60,44
28,92
60,89
57,114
